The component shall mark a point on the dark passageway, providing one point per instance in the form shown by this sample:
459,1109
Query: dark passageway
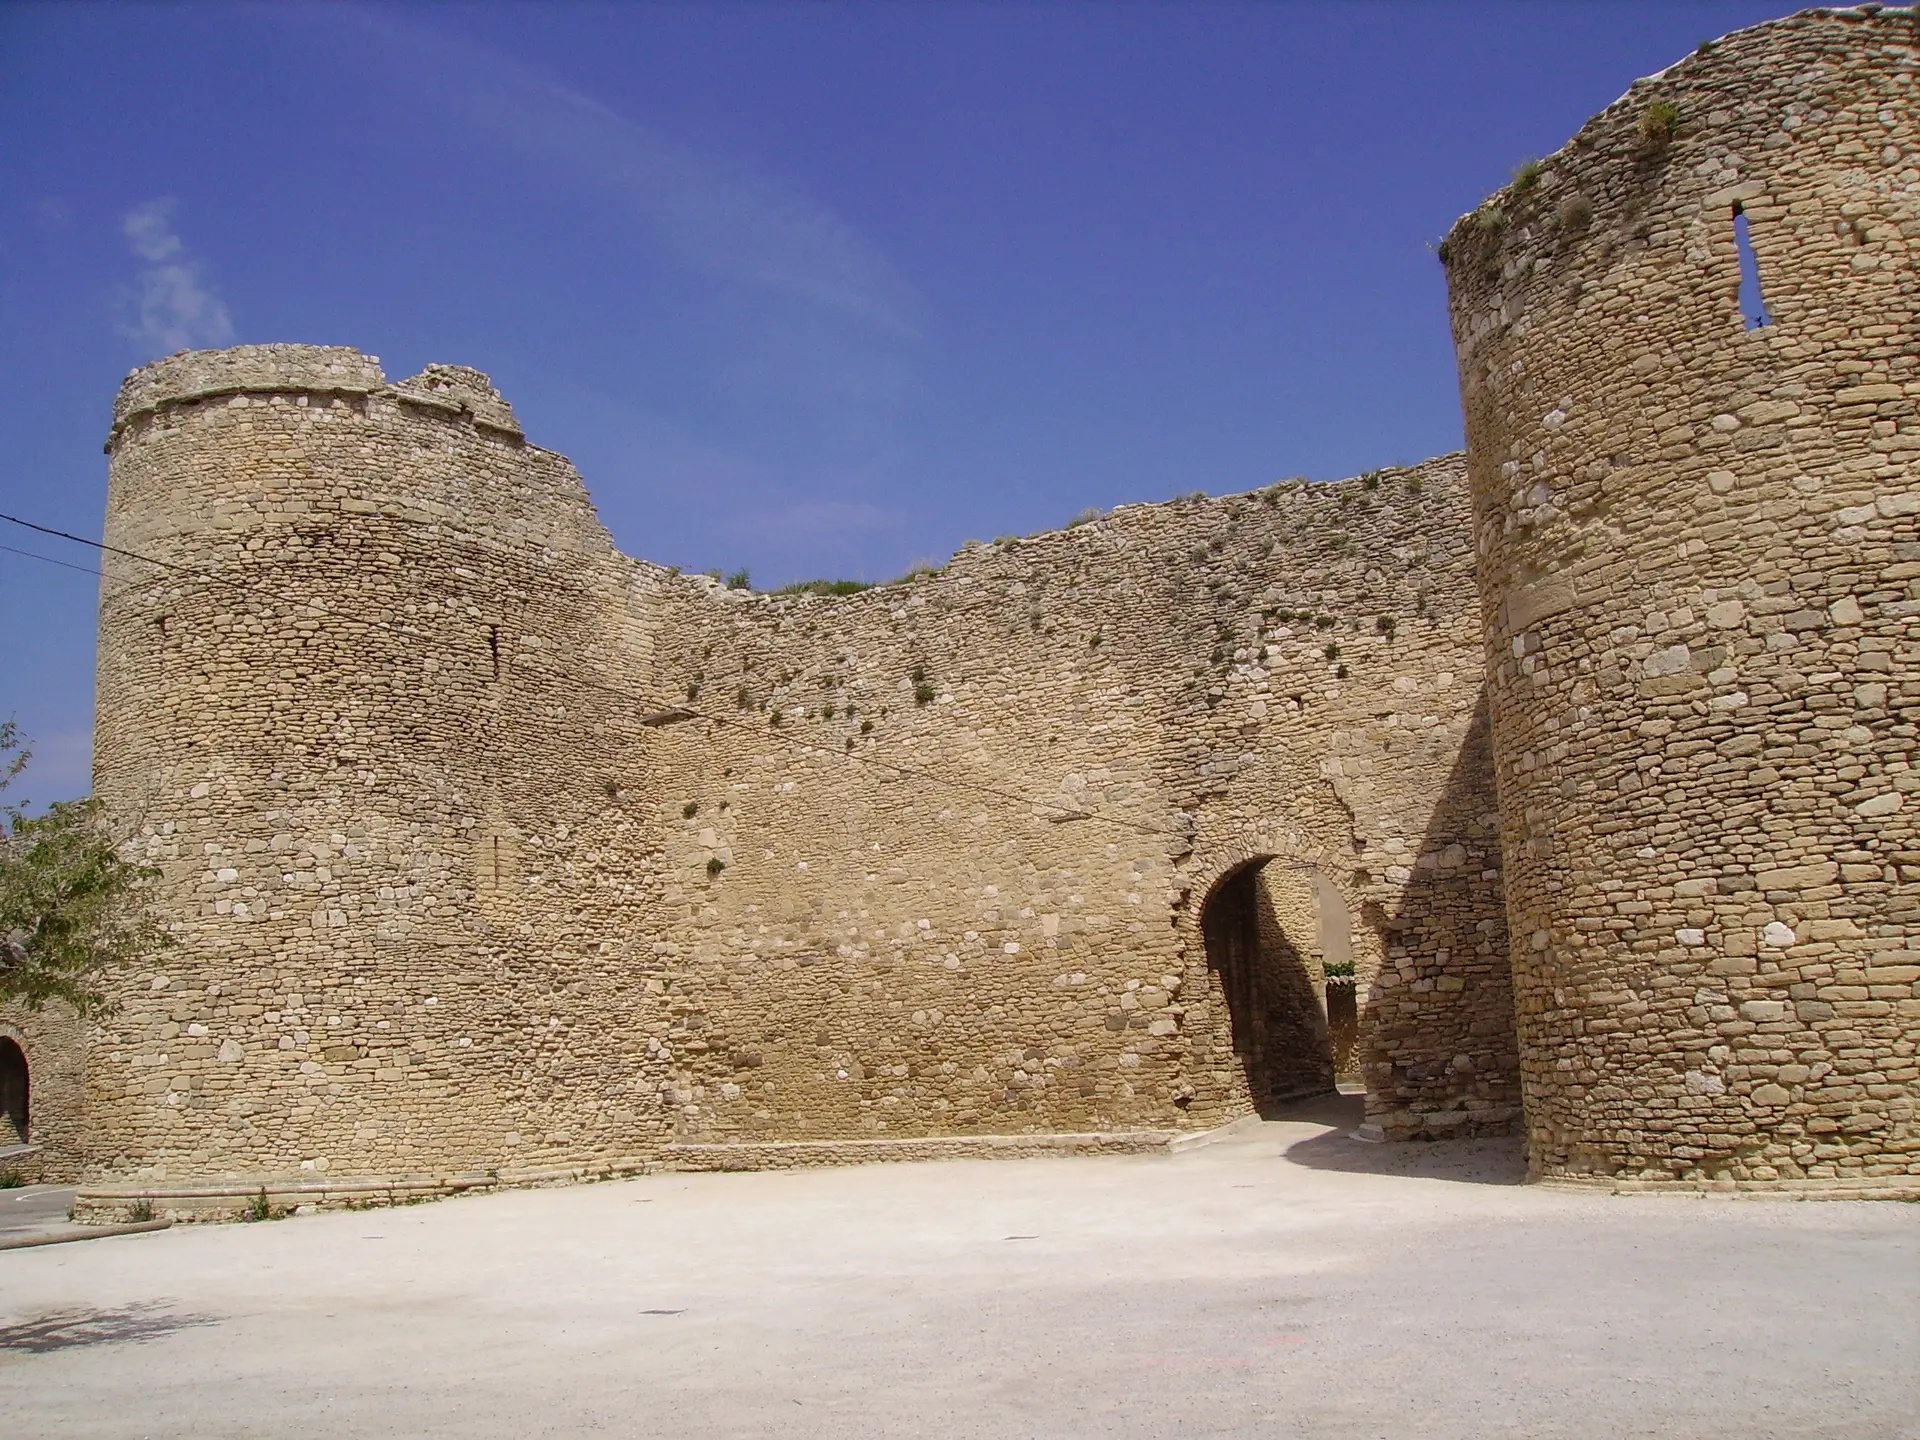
13,1092
1279,1028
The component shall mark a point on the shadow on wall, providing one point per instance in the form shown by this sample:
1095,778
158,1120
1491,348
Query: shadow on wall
1441,1058
1254,941
1335,972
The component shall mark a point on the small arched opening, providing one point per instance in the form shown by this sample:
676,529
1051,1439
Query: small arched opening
1271,929
13,1092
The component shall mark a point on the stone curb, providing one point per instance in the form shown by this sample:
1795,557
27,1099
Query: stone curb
796,1154
1892,1187
204,1200
1180,1144
83,1232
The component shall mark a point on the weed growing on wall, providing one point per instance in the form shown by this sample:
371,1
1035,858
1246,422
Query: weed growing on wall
1659,123
833,587
1575,213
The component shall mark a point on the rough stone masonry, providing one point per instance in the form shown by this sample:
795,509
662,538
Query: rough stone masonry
495,856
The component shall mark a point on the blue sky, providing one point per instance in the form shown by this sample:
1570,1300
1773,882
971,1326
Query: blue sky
819,290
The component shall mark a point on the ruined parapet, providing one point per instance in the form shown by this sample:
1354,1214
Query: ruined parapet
264,369
1698,556
461,391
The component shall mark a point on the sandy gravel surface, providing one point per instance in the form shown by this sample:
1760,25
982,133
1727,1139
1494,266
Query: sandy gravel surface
1285,1282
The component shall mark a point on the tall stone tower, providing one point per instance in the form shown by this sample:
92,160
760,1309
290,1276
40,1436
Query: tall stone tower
315,627
1699,546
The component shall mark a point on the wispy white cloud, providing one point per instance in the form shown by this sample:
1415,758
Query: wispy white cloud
172,308
711,213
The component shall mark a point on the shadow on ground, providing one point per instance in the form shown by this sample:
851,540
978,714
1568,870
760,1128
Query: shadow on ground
74,1329
1495,1160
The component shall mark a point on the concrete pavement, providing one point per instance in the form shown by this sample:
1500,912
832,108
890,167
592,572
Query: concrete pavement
33,1210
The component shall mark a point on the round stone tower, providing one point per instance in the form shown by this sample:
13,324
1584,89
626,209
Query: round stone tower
308,636
1687,356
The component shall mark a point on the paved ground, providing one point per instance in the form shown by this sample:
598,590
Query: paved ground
1288,1282
29,1210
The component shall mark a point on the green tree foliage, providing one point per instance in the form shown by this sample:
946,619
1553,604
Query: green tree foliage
70,907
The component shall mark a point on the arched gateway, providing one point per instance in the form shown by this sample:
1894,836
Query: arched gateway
1272,929
15,1093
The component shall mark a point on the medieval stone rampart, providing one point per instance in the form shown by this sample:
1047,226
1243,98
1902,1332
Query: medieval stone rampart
1700,571
488,848
494,856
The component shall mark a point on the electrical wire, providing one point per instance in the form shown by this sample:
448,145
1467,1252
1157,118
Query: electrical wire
48,559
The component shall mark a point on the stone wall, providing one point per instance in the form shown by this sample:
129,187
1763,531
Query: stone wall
1700,569
975,905
489,848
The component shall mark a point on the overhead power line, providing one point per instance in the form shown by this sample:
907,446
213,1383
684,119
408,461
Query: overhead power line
648,703
48,559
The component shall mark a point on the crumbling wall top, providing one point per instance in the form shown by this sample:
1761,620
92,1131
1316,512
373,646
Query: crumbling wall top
463,388
189,374
1798,67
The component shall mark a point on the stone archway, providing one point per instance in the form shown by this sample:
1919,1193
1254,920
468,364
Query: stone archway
1266,929
14,1093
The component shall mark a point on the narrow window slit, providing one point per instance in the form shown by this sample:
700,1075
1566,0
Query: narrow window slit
493,644
1753,306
